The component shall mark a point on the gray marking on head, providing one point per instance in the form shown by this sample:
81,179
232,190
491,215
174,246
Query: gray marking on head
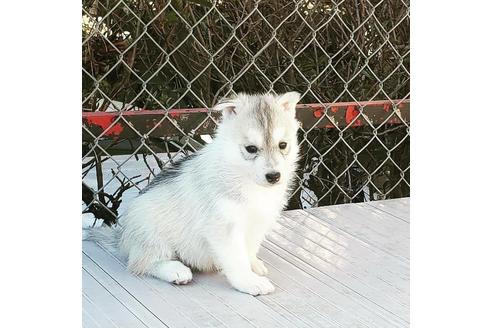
264,115
168,173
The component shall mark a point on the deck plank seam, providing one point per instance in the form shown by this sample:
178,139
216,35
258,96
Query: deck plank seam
312,291
156,292
203,307
126,290
334,279
362,270
350,275
228,305
366,242
91,318
386,212
262,298
322,236
269,311
117,299
87,298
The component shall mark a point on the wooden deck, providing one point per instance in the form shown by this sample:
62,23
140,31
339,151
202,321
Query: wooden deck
336,266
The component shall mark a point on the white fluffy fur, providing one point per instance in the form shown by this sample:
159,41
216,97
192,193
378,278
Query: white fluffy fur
215,213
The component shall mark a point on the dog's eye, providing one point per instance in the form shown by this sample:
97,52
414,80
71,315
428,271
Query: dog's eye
282,145
251,149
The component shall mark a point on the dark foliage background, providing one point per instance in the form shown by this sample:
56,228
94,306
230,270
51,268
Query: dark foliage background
181,54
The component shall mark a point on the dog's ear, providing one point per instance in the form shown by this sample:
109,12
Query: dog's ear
288,101
227,107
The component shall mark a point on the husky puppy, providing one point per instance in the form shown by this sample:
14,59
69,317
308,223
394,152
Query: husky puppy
211,211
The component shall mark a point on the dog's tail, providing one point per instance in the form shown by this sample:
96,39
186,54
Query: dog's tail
109,237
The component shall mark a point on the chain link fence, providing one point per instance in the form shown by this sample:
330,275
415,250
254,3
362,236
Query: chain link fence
152,70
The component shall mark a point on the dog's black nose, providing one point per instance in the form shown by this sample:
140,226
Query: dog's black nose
273,177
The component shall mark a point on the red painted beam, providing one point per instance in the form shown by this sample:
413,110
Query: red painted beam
116,125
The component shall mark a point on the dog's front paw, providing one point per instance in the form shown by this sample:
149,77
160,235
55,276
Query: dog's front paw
254,285
259,267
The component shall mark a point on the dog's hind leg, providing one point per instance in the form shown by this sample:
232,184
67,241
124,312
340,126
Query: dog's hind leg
160,262
171,271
